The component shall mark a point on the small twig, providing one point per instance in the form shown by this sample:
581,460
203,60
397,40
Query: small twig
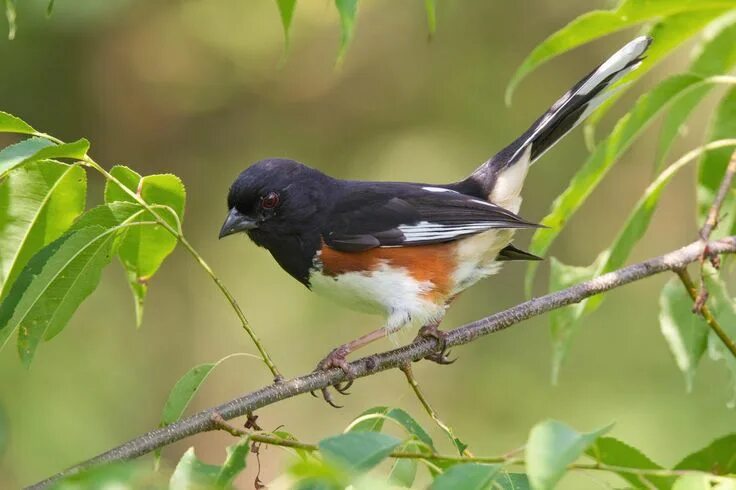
406,369
419,349
710,224
703,310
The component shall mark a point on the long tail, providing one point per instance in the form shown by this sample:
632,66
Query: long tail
502,176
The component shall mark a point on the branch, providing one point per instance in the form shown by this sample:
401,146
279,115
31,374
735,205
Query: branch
203,421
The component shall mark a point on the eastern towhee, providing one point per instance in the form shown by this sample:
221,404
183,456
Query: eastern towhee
405,250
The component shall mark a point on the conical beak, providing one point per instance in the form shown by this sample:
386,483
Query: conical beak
236,222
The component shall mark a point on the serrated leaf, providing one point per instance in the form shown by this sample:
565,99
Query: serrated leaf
718,458
286,12
42,201
192,474
551,447
234,463
143,250
347,10
598,23
14,155
468,476
715,55
512,481
357,451
627,129
713,166
612,452
12,124
11,16
685,332
668,34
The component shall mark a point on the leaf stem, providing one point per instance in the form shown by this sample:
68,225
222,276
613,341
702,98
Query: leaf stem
406,369
705,311
88,161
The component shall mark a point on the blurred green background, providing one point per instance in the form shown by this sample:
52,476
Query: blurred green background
201,88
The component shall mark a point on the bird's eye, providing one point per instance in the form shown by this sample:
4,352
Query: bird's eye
270,201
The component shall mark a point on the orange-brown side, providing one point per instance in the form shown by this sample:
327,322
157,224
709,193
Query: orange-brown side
433,263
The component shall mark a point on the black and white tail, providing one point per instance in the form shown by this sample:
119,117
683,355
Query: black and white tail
502,176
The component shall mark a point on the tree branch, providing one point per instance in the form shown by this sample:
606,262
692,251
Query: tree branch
203,421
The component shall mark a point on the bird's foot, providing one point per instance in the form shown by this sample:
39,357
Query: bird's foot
442,355
336,359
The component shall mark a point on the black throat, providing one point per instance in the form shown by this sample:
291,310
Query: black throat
294,252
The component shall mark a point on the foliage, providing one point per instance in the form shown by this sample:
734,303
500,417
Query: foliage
53,251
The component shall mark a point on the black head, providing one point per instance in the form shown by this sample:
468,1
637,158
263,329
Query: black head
273,198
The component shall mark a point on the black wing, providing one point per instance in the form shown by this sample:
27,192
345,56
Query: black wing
369,215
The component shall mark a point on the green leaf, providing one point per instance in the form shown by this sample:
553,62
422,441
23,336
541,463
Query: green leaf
50,8
598,23
347,10
368,422
723,308
612,452
602,159
713,165
14,155
693,482
53,295
183,392
668,34
122,475
468,476
512,481
685,332
372,421
42,201
563,321
234,464
718,458
403,472
715,55
357,451
143,250
10,15
11,124
34,149
192,474
286,11
552,446
430,6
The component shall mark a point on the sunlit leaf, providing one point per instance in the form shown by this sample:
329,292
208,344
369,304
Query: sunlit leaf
715,56
286,11
234,463
551,447
719,457
512,481
13,155
598,23
713,166
10,15
612,452
685,332
42,201
144,249
51,287
192,474
12,124
628,128
668,34
470,476
347,10
693,482
357,451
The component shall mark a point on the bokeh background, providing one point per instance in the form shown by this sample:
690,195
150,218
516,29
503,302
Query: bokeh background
201,88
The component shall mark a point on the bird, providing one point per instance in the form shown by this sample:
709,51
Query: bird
406,250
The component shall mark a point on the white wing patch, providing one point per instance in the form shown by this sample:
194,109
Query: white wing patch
426,230
437,189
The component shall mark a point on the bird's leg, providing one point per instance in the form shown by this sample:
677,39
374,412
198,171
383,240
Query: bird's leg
442,355
336,358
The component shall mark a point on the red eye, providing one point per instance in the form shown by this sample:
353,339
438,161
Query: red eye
270,201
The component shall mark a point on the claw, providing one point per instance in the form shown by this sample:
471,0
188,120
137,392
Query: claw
441,356
336,358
